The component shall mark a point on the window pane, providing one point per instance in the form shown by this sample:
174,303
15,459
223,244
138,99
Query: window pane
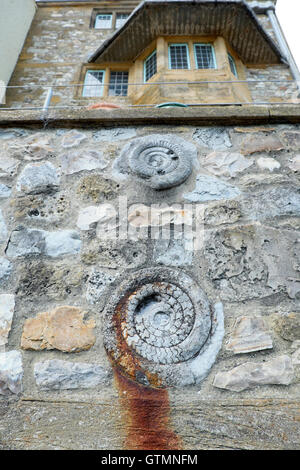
93,83
178,56
118,84
204,55
120,19
232,65
150,66
103,21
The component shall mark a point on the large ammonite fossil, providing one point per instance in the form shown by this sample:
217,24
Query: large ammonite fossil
160,161
160,329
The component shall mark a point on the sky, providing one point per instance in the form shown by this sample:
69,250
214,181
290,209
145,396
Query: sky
288,13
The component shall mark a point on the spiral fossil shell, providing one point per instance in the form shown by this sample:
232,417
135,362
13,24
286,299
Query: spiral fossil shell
161,162
156,323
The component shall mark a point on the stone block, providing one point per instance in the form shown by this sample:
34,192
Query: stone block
278,371
62,328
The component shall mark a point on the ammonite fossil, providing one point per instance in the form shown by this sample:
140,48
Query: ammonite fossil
159,161
159,328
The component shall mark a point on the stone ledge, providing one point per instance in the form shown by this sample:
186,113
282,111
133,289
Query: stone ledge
206,115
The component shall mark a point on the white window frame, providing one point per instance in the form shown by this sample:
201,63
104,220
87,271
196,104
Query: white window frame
124,20
108,15
88,87
187,55
213,55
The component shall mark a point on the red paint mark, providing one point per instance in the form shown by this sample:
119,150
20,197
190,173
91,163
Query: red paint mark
146,416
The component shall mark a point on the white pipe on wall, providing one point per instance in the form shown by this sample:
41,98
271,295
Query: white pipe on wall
284,45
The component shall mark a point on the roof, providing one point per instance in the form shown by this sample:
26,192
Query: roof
232,19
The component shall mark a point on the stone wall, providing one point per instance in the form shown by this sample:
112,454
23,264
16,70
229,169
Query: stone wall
64,269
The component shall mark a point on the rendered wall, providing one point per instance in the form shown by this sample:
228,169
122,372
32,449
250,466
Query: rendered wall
58,387
15,20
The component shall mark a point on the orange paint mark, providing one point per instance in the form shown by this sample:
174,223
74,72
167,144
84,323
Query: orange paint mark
146,416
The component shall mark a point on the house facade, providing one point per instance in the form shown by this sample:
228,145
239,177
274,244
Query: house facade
149,229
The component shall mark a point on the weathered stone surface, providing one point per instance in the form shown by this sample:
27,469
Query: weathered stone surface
222,213
278,371
8,134
8,166
294,163
292,139
63,328
82,161
7,306
3,229
73,139
249,334
105,214
260,143
26,242
62,375
213,138
172,252
5,268
34,147
115,134
11,372
96,285
97,188
296,358
252,261
266,163
63,242
222,423
115,254
140,215
288,325
158,161
273,202
38,178
252,129
52,208
5,191
226,163
36,279
209,188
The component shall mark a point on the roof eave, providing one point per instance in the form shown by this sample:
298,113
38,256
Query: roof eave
148,4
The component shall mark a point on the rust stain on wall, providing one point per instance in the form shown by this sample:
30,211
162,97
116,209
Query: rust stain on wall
146,415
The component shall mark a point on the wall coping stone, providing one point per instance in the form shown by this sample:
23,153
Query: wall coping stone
208,115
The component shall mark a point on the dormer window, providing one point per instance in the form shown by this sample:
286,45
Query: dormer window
150,66
103,21
205,56
120,19
108,20
178,56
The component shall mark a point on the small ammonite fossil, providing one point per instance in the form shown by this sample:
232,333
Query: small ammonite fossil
159,161
158,323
